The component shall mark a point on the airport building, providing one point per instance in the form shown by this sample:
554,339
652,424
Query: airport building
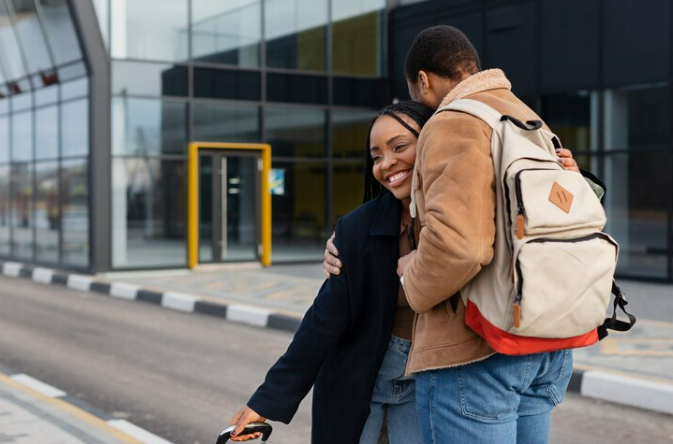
133,133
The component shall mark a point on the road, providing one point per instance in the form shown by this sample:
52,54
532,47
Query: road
181,376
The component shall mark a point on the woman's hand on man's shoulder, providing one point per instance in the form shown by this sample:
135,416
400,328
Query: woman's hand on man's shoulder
331,265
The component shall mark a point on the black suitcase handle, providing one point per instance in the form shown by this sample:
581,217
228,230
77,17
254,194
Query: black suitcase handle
264,428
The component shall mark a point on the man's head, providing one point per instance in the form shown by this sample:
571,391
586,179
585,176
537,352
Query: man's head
437,61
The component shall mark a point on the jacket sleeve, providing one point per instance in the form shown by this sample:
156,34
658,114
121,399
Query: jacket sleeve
293,375
458,185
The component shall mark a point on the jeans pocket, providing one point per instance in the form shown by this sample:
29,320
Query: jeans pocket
561,361
486,391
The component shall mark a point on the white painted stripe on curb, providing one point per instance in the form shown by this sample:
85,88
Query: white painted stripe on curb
12,269
248,315
43,275
124,291
137,432
178,301
38,385
79,282
620,389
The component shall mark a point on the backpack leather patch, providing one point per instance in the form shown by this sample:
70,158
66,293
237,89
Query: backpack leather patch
561,197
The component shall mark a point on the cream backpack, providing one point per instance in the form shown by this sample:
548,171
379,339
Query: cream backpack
549,284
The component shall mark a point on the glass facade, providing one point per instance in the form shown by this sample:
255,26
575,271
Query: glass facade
44,136
614,113
306,77
302,75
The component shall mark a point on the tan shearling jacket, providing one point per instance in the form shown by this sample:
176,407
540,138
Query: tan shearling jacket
453,198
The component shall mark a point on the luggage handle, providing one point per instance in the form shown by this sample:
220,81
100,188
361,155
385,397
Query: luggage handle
264,428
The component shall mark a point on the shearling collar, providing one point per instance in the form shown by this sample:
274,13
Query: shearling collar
482,81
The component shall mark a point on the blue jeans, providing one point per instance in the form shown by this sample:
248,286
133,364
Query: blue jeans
503,399
394,399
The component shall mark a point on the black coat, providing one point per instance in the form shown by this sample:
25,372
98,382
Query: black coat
343,337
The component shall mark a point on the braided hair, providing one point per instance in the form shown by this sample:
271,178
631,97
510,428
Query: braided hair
418,112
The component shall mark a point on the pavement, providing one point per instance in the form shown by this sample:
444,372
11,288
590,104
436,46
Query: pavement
33,412
634,368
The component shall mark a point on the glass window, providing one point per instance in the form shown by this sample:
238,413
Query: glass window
148,127
227,32
637,210
293,88
3,79
11,60
75,89
46,133
75,212
296,132
299,212
4,139
226,123
72,71
361,92
149,79
4,103
22,102
46,77
27,26
47,212
570,117
147,30
220,84
345,9
350,132
62,36
46,96
22,137
5,247
358,30
103,14
348,189
296,34
148,212
75,128
21,213
637,119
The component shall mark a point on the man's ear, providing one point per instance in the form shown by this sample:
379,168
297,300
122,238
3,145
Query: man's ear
423,82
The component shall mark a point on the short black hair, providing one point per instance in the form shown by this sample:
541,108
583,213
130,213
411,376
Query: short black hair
418,112
444,51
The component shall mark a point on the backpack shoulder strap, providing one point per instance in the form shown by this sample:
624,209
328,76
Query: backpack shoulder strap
475,108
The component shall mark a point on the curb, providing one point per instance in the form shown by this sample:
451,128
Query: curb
597,384
138,434
238,313
623,389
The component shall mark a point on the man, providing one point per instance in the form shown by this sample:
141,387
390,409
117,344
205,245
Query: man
466,393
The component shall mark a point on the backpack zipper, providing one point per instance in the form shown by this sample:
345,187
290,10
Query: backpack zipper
516,308
520,219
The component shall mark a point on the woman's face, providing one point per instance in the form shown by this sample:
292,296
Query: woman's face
393,150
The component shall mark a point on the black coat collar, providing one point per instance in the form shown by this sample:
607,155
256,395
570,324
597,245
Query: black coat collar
387,219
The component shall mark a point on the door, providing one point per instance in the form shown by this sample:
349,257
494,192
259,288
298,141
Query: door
229,190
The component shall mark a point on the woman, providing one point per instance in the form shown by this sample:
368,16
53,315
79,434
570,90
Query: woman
353,342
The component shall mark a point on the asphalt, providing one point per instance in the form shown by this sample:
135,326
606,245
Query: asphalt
634,368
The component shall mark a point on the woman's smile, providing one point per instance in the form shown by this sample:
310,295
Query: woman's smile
396,179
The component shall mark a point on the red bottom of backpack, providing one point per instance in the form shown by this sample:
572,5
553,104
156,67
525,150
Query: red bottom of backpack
509,344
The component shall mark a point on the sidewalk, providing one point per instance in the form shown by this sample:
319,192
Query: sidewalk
32,412
634,368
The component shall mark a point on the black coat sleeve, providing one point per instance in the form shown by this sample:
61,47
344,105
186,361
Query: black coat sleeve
293,375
